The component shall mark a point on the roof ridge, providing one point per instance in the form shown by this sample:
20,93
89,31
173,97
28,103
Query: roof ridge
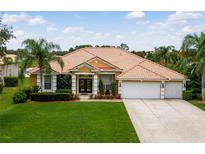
154,72
130,69
157,64
166,68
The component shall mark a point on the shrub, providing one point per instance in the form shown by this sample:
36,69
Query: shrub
35,89
1,88
114,88
187,94
49,96
64,91
28,91
74,97
11,81
106,97
19,97
101,87
107,92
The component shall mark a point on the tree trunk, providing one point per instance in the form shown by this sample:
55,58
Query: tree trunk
41,79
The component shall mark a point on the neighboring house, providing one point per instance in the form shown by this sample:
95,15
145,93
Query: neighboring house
136,77
10,69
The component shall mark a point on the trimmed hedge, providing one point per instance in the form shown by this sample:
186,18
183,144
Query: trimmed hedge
187,95
49,96
105,96
11,81
1,88
19,97
64,91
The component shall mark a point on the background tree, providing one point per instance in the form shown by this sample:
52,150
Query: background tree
40,52
124,46
195,45
6,33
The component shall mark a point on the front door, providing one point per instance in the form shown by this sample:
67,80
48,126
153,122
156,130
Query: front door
85,85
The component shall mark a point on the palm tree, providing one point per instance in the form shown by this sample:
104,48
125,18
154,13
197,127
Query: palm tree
162,54
195,45
38,51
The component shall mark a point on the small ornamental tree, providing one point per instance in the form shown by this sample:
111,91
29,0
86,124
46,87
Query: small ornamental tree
114,88
101,87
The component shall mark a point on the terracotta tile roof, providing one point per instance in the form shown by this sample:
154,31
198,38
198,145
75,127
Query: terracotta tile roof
132,66
140,73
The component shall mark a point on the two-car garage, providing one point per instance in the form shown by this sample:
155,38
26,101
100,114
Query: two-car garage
151,90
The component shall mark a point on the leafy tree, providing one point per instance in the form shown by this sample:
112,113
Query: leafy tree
38,51
124,46
6,33
140,53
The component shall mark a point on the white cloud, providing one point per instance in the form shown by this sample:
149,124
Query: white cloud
39,20
176,19
23,17
193,29
119,36
143,22
187,29
19,33
51,29
101,35
74,30
135,15
182,17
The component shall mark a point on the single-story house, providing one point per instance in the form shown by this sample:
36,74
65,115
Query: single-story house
9,69
136,77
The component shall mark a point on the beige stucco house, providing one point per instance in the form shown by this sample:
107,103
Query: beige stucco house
10,69
136,77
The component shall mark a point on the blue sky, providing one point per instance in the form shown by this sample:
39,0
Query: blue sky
140,30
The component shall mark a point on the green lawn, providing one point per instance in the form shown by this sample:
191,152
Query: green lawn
64,121
198,104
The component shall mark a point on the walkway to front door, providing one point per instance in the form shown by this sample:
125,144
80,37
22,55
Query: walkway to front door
85,86
166,120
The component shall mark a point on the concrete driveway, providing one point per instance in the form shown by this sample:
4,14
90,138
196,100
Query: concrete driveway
166,120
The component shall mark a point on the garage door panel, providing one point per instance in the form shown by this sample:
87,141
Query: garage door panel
173,89
147,90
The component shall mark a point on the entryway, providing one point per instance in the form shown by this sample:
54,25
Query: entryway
85,86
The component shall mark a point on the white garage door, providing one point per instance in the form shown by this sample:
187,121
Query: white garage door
145,90
173,89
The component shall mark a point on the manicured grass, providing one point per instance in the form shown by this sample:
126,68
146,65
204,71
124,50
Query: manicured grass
198,104
67,122
63,121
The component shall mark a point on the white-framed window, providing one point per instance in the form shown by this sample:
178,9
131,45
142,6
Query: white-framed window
47,82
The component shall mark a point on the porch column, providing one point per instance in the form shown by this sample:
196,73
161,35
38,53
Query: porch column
38,80
73,84
162,90
54,83
120,87
95,84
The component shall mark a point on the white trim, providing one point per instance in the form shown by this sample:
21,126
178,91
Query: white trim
79,73
43,88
